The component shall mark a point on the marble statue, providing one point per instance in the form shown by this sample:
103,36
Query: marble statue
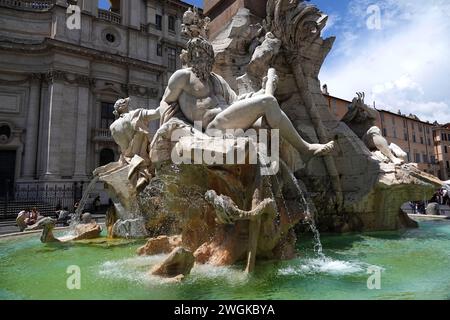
362,119
206,97
130,131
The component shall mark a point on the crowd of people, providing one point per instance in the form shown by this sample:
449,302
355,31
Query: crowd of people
441,197
434,206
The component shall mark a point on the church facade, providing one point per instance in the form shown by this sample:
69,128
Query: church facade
63,64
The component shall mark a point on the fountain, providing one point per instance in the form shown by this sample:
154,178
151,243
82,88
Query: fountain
197,217
84,199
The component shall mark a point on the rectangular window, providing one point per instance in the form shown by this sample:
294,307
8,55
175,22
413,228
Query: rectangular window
420,128
409,157
425,158
107,115
382,116
172,23
393,121
442,137
433,159
412,125
172,59
421,140
445,149
448,165
159,50
414,138
417,157
405,123
429,141
449,137
158,22
406,136
385,132
395,133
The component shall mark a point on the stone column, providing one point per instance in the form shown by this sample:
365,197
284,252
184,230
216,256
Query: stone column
135,14
31,142
82,133
56,100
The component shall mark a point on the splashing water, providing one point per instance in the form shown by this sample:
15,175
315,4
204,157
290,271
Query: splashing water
311,212
83,202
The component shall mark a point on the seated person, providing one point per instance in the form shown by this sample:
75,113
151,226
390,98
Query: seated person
32,218
21,217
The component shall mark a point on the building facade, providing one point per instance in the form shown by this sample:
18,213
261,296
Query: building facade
442,150
61,70
222,11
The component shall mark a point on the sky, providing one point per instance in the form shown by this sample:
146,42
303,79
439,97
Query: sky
399,60
104,4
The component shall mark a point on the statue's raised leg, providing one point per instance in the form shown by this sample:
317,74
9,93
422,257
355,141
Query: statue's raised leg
243,114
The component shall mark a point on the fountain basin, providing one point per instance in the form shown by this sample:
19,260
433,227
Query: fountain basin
414,265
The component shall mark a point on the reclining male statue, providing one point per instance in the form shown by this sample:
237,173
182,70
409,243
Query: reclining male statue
205,97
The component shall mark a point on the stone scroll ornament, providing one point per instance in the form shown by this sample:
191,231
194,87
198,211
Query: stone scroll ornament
297,25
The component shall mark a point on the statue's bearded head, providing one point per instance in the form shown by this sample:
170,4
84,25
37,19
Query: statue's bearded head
121,106
200,57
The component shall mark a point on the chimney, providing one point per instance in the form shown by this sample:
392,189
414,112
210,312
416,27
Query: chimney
325,89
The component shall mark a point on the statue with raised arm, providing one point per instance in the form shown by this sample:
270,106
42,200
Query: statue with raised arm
362,120
130,131
206,97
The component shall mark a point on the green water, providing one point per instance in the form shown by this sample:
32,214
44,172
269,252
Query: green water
415,264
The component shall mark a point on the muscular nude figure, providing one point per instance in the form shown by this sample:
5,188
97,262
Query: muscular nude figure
206,97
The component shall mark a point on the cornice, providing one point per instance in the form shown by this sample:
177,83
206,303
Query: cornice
51,44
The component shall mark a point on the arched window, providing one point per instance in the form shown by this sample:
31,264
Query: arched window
106,156
5,133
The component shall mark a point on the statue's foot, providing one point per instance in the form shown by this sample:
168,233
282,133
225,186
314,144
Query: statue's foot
320,150
141,184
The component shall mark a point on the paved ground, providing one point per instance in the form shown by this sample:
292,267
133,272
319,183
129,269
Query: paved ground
9,226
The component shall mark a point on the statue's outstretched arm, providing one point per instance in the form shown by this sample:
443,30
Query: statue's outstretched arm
150,115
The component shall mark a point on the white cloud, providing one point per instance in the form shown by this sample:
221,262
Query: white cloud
402,66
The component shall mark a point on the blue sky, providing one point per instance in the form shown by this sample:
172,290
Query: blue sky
197,3
401,64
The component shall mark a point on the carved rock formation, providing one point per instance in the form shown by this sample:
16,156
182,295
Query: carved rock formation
341,183
80,232
179,263
159,245
230,213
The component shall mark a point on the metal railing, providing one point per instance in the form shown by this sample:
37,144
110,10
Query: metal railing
41,5
46,198
102,134
109,16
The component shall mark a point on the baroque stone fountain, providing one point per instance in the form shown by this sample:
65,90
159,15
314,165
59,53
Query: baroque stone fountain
205,187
